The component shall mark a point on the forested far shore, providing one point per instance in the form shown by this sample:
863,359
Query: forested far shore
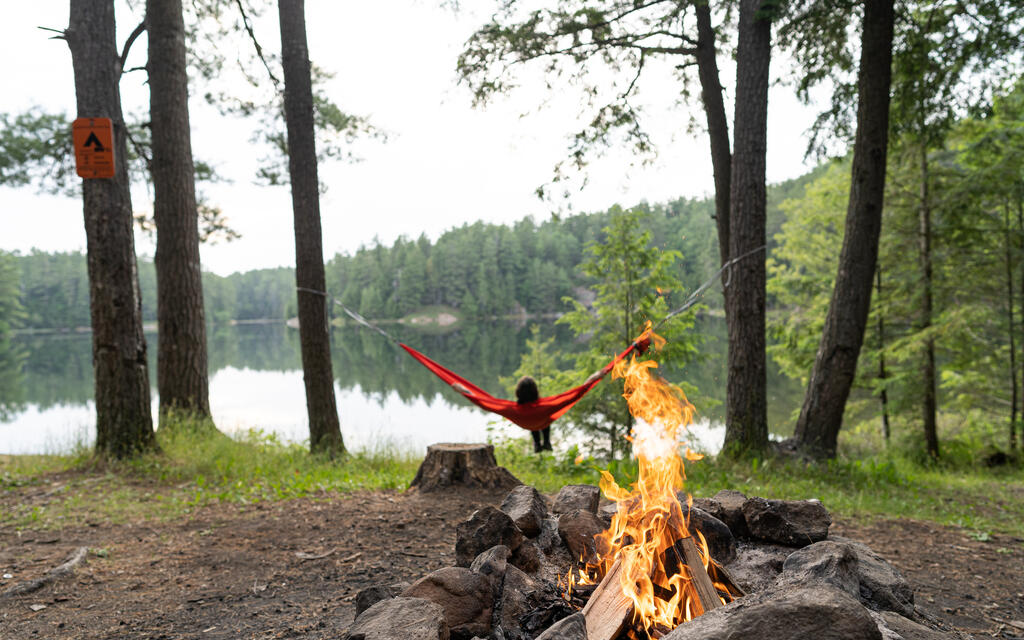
482,270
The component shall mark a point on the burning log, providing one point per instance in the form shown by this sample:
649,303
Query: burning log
654,573
706,591
726,580
609,609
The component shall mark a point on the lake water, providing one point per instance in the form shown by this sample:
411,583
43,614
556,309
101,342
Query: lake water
384,396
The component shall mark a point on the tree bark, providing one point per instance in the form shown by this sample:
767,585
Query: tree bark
746,391
314,332
883,395
1012,333
182,378
835,364
928,374
124,424
1020,234
718,125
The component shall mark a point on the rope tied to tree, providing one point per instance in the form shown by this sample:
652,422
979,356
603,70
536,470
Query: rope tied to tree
698,293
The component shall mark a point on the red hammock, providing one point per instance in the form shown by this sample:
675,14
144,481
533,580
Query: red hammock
532,416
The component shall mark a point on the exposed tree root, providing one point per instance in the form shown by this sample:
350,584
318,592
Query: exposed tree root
51,576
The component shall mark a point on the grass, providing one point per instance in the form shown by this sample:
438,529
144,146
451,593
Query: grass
195,469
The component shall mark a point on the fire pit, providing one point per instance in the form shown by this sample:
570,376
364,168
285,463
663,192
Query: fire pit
797,581
650,562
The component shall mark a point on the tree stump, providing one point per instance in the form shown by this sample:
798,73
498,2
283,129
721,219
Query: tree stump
462,464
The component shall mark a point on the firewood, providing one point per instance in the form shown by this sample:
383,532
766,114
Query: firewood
706,591
723,575
608,610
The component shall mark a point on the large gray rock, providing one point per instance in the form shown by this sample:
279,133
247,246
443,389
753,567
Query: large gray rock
856,569
370,596
526,506
818,613
727,506
882,586
576,496
796,523
578,530
822,562
465,595
757,565
527,557
492,565
895,627
721,542
572,628
400,619
486,528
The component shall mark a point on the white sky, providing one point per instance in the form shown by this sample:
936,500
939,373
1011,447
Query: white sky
444,164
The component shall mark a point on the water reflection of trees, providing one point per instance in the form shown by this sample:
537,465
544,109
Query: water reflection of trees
55,370
12,383
260,347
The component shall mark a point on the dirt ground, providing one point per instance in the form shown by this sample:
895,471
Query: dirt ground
238,572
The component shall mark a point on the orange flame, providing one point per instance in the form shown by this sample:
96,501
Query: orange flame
650,519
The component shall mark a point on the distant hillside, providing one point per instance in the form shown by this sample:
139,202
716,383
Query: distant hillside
481,269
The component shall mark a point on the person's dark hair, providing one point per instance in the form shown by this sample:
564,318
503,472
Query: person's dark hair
526,390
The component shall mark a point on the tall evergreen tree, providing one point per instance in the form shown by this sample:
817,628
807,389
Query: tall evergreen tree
835,365
746,394
182,378
990,155
314,332
124,425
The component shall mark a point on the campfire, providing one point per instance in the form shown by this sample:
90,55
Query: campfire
653,572
651,563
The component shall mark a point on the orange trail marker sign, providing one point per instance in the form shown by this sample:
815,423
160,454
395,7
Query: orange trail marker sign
93,139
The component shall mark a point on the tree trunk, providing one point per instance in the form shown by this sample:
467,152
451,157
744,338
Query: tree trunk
718,125
883,395
1020,234
928,375
182,379
314,333
124,424
746,390
1010,302
835,364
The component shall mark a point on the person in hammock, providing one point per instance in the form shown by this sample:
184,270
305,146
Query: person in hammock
527,392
